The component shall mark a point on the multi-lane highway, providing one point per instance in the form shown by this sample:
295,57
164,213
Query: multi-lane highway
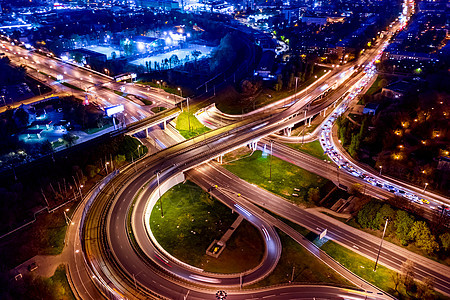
99,88
126,261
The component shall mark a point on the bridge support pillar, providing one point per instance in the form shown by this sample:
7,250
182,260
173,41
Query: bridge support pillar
288,131
146,132
309,123
253,145
165,125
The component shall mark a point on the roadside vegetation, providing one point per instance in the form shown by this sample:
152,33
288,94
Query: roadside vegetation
429,239
192,221
305,267
400,285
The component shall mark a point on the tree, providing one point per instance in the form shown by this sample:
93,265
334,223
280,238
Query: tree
46,147
174,60
313,195
403,223
425,289
367,214
22,117
69,138
396,279
421,234
196,54
385,211
445,240
407,273
354,145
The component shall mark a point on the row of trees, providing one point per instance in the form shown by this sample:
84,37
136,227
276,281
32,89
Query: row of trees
402,226
351,135
21,191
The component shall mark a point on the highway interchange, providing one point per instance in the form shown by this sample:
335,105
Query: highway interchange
124,269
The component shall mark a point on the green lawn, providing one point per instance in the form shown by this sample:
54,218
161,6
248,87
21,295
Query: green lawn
313,148
285,176
189,126
308,269
192,221
363,267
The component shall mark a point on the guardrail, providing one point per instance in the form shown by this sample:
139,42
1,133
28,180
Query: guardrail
97,279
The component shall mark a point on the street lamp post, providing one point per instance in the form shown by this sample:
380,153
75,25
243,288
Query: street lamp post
106,167
4,103
381,243
79,189
159,83
139,152
270,161
426,184
181,94
39,87
189,119
381,168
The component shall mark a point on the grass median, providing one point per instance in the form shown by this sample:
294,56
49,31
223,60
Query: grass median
312,148
189,126
192,220
277,176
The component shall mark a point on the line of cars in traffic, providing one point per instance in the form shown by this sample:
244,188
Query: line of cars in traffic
329,148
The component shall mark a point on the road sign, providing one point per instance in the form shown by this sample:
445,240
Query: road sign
114,109
322,234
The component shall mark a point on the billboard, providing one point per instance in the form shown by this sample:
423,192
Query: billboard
112,110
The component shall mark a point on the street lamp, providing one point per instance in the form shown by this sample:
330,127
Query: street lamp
106,167
181,92
158,82
270,162
426,184
381,243
4,103
79,189
189,119
381,168
39,87
139,153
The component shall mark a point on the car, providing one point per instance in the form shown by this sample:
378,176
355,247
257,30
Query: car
425,201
